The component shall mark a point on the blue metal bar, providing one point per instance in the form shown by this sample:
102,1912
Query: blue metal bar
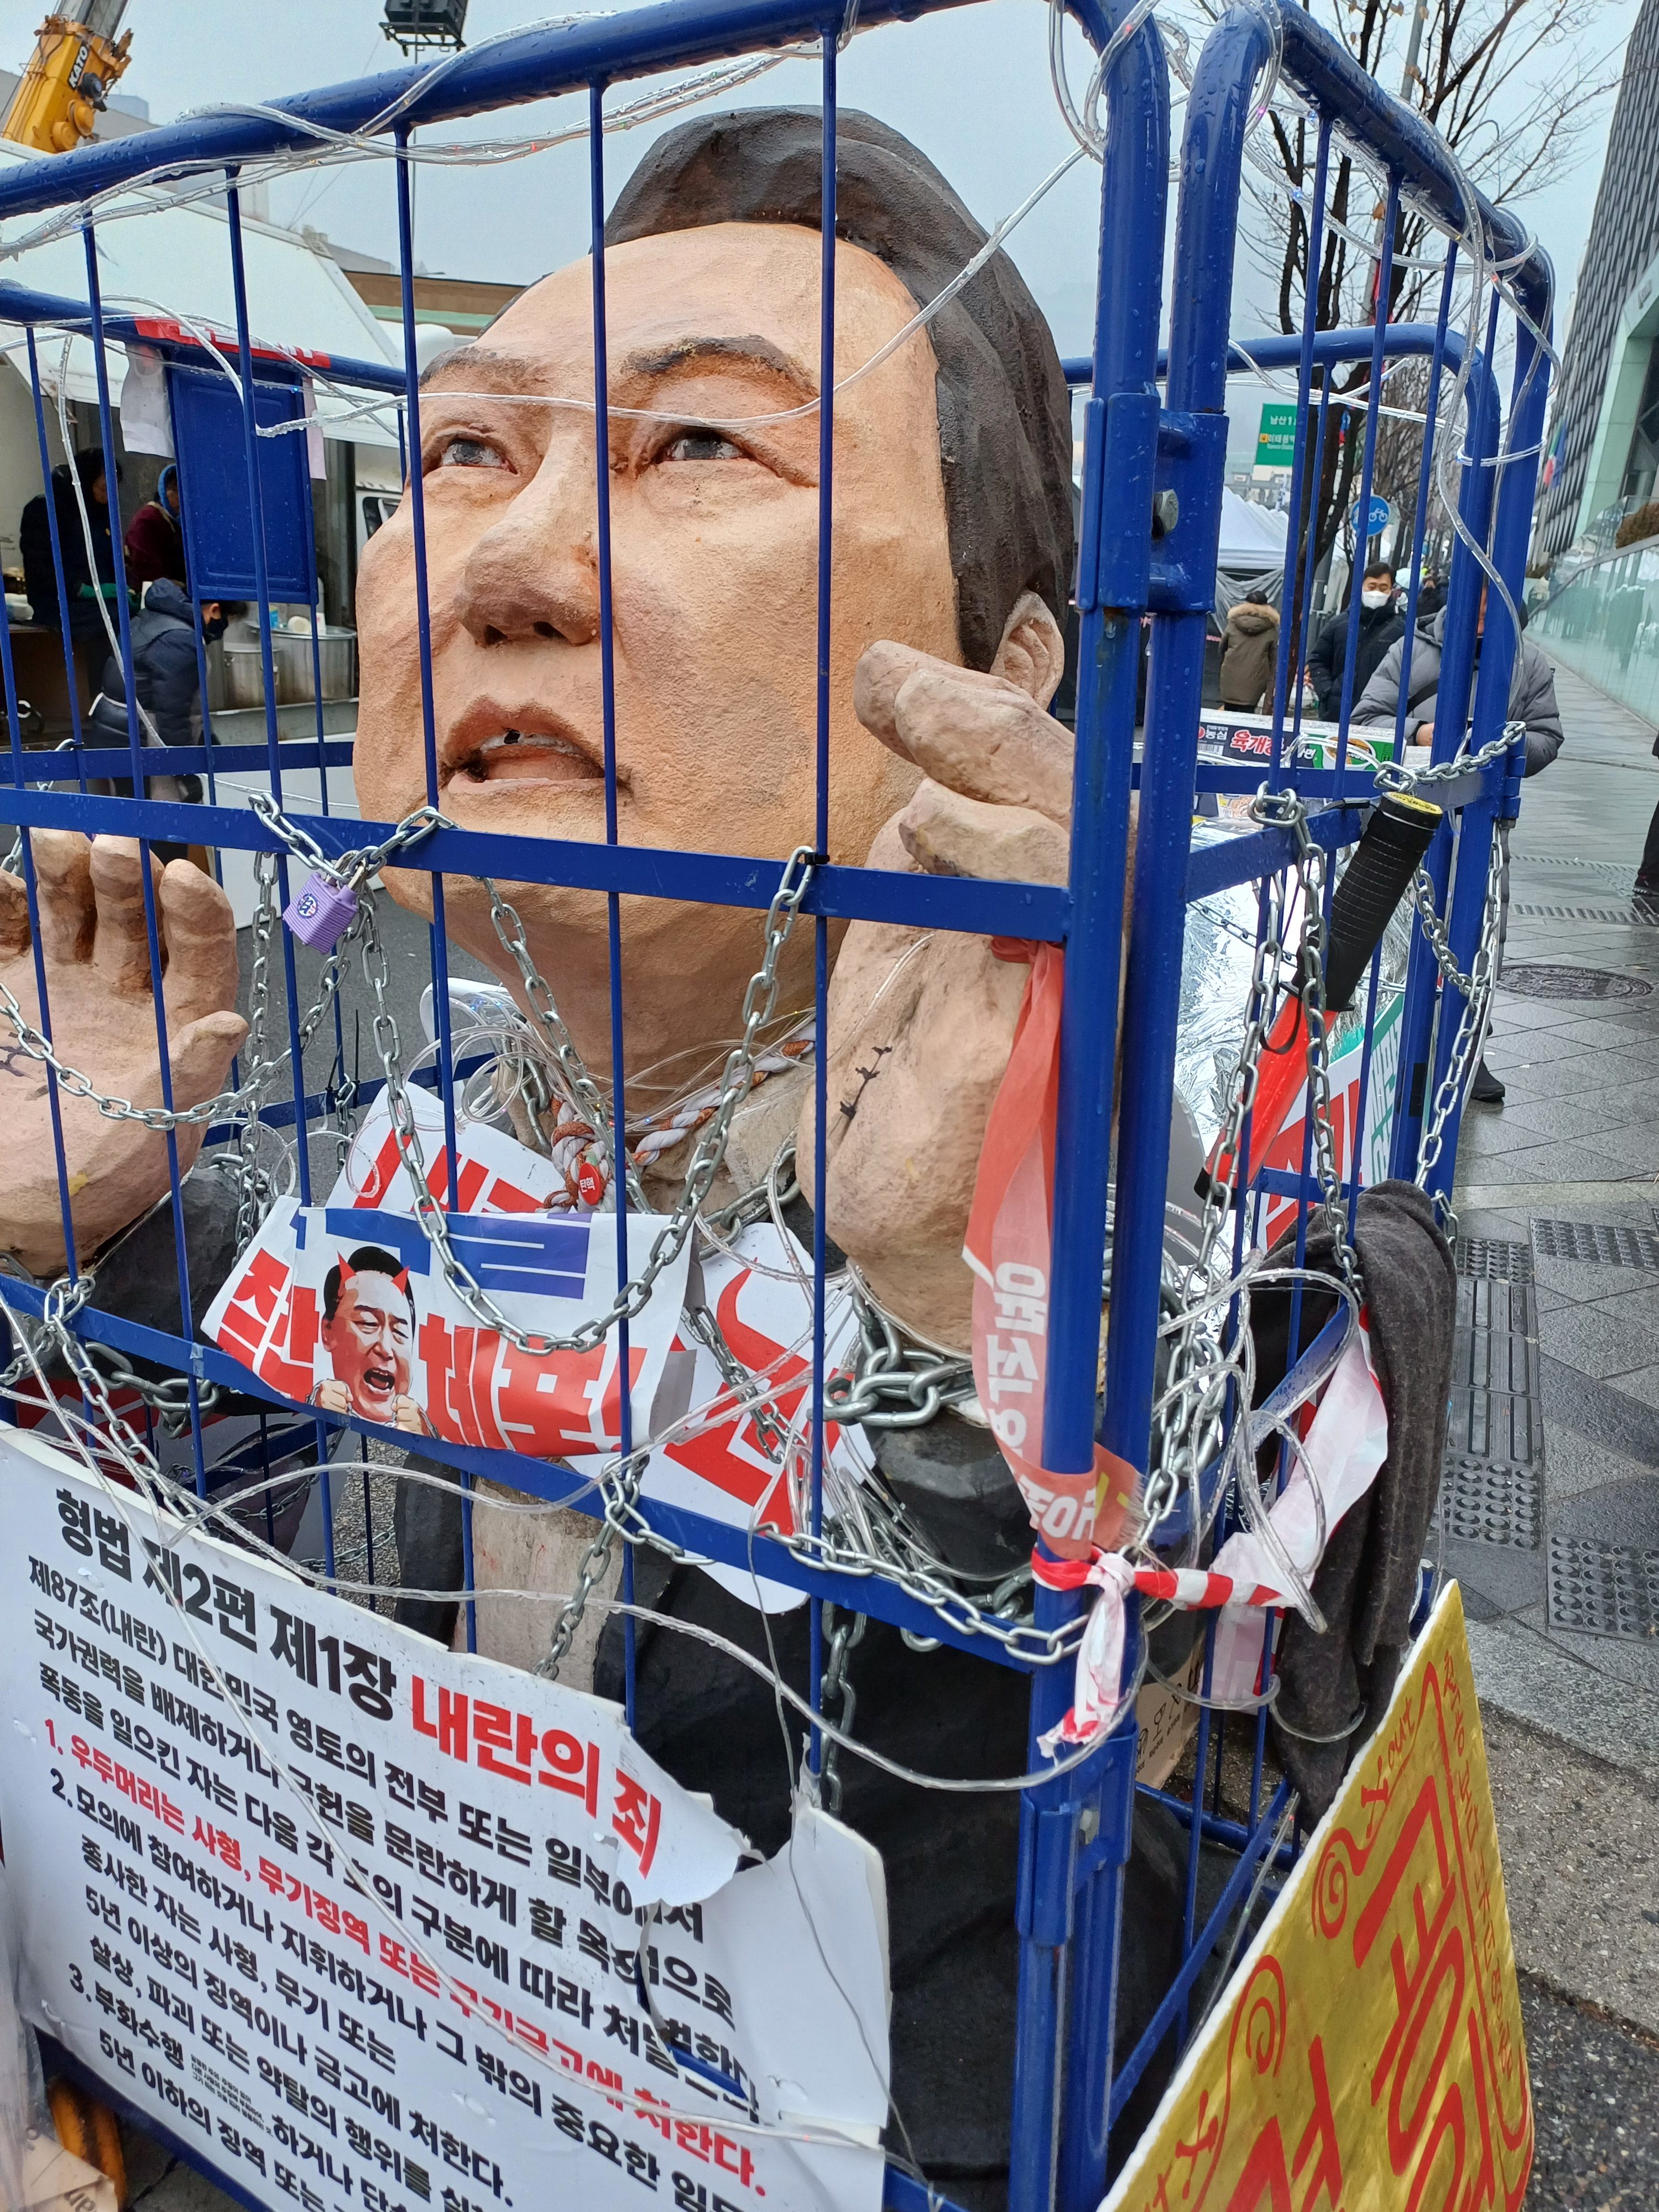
1218,113
678,33
1175,2003
1367,472
613,903
22,303
828,29
152,921
416,496
1060,2098
1499,648
848,894
1300,550
14,730
262,596
71,672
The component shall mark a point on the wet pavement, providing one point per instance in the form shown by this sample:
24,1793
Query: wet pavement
1557,1198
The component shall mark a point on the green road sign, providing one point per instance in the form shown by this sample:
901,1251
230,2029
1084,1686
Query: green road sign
1275,444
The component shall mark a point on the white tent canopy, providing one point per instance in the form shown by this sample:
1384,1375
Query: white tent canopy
174,263
1251,554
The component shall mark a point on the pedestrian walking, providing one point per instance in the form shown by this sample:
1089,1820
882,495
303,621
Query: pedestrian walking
1250,654
166,677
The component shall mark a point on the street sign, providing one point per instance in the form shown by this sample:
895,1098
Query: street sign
1382,515
1275,442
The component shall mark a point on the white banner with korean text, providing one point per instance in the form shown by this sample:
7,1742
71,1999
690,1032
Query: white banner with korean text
368,1926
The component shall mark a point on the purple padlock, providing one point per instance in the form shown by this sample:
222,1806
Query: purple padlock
320,911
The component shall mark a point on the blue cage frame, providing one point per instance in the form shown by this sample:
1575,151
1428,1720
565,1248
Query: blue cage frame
1075,1830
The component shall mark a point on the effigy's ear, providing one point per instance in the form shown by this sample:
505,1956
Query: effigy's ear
1032,653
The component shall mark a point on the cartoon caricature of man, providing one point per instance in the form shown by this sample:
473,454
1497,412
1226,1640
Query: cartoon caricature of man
368,1326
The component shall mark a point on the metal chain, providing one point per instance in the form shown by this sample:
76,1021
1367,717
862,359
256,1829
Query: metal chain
759,1002
893,1383
1477,988
1313,868
621,1499
34,1045
1393,775
844,1635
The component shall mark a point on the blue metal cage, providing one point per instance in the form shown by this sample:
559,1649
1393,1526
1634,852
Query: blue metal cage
1154,446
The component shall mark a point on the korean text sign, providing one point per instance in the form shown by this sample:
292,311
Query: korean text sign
1369,2050
371,1926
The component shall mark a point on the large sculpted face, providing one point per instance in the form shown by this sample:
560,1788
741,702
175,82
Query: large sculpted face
715,536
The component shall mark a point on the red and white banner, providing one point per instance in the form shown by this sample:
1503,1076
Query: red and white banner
1007,1247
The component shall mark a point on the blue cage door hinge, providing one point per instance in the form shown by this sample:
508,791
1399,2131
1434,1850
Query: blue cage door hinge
1064,1846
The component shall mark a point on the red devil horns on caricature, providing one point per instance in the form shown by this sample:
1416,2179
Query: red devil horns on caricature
349,1275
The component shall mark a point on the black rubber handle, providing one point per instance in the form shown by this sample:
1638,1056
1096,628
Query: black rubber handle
1400,832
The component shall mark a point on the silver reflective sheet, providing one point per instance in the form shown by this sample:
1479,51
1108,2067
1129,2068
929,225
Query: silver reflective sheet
1217,959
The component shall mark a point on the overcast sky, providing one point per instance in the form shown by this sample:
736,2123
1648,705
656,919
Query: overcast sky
970,87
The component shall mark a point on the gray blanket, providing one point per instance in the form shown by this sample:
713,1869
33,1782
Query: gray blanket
1335,1685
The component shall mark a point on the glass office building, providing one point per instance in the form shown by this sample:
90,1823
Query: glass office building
1602,445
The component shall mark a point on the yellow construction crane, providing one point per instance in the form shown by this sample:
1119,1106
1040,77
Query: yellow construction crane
60,95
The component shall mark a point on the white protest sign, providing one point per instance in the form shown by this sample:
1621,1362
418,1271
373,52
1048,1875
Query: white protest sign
367,1924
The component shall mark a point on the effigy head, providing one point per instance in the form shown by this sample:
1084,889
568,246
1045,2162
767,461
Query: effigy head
951,498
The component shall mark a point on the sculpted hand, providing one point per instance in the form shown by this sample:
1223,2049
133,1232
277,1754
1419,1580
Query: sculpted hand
921,1023
103,1022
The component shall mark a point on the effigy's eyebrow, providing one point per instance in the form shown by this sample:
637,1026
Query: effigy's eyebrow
488,365
753,351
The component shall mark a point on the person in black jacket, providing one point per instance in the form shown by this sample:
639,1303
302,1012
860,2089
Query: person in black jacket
1380,624
88,571
167,671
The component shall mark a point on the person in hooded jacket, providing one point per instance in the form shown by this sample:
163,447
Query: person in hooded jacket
1380,625
1249,654
154,546
1532,702
167,679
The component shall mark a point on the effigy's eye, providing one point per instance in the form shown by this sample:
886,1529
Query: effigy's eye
702,445
471,453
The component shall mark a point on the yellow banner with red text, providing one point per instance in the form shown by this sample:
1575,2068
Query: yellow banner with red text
1368,2054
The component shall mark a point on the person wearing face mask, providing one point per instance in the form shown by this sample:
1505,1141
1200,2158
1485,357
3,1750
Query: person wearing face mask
1379,626
167,671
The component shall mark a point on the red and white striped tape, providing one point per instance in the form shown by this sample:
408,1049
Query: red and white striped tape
1345,1446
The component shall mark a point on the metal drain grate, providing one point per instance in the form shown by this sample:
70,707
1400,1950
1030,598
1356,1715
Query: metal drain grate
1620,874
1604,1244
1631,916
1542,982
1492,1255
1488,1503
1603,1590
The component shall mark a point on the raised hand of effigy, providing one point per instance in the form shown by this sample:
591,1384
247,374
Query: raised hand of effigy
94,949
922,1022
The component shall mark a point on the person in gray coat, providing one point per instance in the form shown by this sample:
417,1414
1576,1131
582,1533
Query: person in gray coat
1531,689
1532,701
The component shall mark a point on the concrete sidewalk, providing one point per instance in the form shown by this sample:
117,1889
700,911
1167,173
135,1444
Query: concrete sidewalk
1557,1197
